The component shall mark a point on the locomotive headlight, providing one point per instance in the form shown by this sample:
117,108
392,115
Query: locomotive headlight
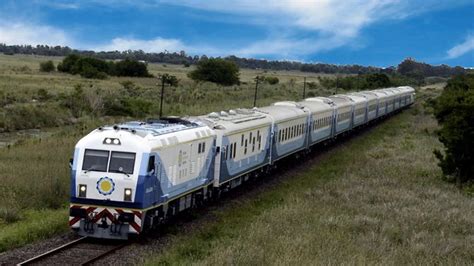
111,141
127,194
82,190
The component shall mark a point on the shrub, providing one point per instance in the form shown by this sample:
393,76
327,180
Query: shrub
454,111
272,80
43,95
68,62
47,66
216,70
89,67
9,214
131,68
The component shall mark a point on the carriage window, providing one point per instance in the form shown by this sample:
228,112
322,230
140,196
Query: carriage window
203,147
122,162
235,148
95,160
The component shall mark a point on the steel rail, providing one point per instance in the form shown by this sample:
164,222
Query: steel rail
53,251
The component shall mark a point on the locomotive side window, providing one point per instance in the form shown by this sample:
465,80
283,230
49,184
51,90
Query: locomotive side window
151,163
95,160
122,162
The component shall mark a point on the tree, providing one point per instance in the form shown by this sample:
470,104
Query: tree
216,70
377,80
67,63
131,68
454,110
47,66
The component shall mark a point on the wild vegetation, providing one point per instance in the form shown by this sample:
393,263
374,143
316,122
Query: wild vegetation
35,177
216,70
90,67
407,67
454,110
375,199
34,172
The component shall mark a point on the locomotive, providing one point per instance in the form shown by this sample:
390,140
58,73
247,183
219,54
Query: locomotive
130,177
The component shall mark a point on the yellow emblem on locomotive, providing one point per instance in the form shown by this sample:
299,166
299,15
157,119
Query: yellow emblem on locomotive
105,186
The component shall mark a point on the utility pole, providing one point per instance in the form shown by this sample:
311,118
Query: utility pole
162,94
256,89
304,88
166,79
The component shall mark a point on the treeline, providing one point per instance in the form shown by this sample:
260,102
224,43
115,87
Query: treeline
90,67
366,81
407,67
412,68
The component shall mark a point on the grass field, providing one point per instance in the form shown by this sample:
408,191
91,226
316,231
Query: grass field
34,174
406,200
32,99
376,199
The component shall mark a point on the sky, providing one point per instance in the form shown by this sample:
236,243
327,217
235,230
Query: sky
366,32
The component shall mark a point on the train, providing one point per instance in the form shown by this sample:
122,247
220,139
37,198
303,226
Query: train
130,177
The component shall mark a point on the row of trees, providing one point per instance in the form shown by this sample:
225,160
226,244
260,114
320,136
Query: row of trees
407,67
90,67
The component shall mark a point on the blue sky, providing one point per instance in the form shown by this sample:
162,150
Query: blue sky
369,32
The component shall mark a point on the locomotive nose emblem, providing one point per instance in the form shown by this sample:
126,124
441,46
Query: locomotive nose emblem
105,186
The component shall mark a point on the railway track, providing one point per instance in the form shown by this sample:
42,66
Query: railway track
82,251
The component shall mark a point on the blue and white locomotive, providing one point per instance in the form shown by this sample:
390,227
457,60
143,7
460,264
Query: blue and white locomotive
130,177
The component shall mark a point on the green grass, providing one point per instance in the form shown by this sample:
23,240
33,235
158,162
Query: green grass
36,224
23,88
34,173
377,199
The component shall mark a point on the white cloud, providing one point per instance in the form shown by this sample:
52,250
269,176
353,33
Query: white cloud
462,48
19,33
291,28
154,45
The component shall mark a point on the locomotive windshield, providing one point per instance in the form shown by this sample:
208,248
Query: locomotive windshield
95,160
122,162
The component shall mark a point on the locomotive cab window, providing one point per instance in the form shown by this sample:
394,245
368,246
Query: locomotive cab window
122,162
95,160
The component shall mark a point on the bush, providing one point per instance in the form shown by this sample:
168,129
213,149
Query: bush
454,111
216,70
47,66
9,214
272,80
89,67
68,62
131,68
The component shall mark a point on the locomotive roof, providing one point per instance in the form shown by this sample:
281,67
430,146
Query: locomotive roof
156,127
